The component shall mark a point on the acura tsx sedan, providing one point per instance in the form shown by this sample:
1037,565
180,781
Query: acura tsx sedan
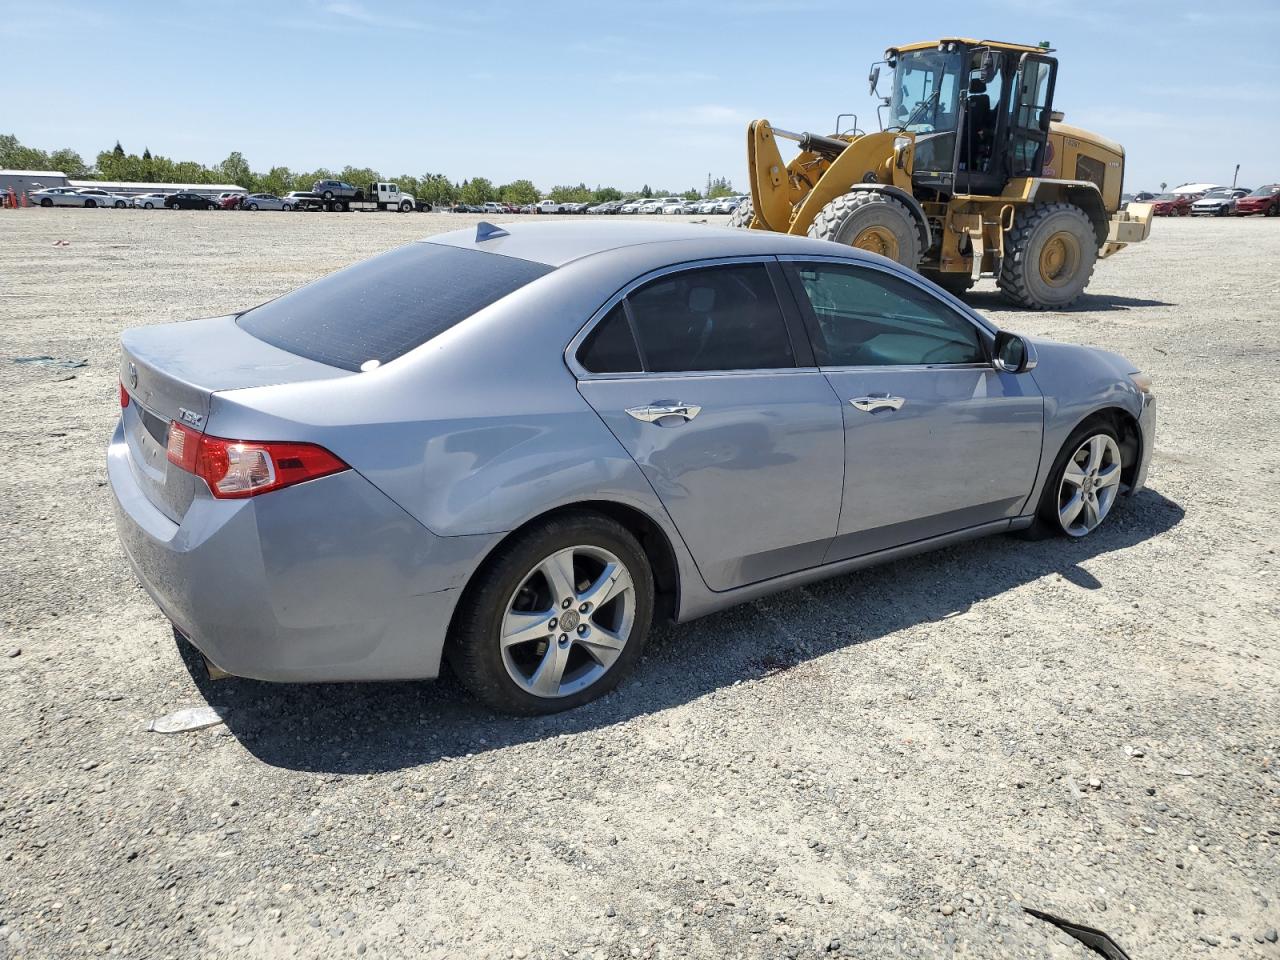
514,447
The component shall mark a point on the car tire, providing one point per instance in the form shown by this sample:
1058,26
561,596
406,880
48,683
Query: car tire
512,589
90,204
1052,517
406,207
46,202
148,206
286,206
253,206
873,221
328,195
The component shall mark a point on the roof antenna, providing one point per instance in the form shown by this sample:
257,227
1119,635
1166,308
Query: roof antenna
487,231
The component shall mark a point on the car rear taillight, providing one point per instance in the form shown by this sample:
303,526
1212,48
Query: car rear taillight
124,396
234,469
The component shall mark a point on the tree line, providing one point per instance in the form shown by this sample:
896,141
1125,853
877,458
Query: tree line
436,188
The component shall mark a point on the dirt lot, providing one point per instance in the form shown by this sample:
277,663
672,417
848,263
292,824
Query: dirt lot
886,764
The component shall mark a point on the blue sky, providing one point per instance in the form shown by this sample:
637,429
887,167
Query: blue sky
623,93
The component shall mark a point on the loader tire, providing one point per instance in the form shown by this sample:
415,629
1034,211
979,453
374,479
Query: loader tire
956,284
875,222
742,216
1048,256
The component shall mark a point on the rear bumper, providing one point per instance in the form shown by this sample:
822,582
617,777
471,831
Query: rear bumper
327,580
1147,427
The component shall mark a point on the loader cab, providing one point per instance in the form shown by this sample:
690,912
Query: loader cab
980,112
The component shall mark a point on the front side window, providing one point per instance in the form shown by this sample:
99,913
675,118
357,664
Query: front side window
715,318
868,318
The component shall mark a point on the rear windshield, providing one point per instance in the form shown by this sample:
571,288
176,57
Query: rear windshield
382,308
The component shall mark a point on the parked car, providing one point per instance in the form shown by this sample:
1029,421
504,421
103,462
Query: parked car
149,201
302,200
494,207
102,198
1265,200
336,190
672,206
229,200
730,204
186,200
350,482
266,201
631,206
1218,203
1172,204
548,206
61,197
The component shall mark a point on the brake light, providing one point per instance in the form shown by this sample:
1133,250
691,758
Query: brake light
124,396
234,469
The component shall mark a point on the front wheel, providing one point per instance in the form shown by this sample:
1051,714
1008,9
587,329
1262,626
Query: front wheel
871,221
406,207
557,618
1084,484
91,204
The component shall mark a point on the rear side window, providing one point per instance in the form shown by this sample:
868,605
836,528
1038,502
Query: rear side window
610,347
717,318
382,308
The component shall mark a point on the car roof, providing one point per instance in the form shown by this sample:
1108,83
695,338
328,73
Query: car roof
556,244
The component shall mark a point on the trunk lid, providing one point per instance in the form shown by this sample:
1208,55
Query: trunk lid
171,371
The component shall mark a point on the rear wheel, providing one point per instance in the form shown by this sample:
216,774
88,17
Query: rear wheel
557,618
46,202
871,221
91,203
742,215
1049,256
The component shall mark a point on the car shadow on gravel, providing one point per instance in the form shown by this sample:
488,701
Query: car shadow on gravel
355,728
1088,303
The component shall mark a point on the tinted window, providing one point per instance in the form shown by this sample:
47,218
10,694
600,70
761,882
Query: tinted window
384,307
868,318
719,318
610,347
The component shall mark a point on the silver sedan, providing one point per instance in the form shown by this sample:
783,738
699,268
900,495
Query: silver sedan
265,201
514,447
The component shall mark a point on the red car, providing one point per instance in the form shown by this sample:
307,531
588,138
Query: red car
1173,204
1265,200
230,201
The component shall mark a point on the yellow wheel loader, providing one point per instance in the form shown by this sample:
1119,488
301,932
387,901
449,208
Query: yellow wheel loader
973,174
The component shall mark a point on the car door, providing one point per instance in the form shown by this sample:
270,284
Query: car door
711,388
937,440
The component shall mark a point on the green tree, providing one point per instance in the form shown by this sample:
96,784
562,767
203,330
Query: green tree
69,162
720,187
521,192
359,177
579,194
235,169
477,191
118,150
277,180
691,194
605,194
436,189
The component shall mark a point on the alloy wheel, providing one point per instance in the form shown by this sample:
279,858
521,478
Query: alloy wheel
568,622
1090,484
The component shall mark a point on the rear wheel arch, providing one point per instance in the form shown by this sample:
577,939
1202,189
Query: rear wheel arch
653,540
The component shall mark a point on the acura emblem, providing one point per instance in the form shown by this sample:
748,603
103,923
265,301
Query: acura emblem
133,375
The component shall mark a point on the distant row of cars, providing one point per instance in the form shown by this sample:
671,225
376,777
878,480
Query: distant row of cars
1217,202
668,205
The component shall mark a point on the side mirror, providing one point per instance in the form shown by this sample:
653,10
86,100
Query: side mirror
989,66
1014,353
873,79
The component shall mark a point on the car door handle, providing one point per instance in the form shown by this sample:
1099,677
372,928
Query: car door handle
882,402
651,413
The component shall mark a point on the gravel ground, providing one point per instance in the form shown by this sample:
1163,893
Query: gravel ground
887,764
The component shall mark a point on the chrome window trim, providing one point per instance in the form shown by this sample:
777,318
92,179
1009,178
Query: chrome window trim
579,371
909,367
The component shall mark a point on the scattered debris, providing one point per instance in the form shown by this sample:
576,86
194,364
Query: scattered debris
1097,941
13,652
52,362
183,721
62,243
